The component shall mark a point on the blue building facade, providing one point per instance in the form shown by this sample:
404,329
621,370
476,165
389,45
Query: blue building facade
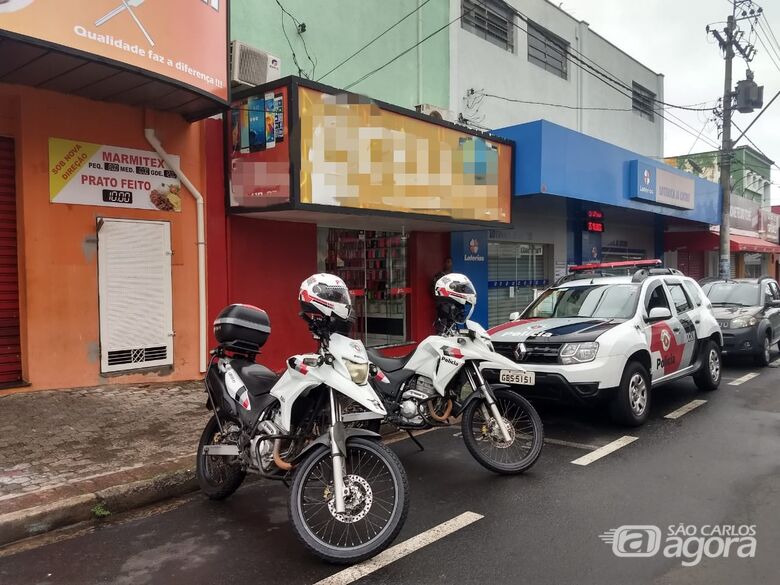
576,199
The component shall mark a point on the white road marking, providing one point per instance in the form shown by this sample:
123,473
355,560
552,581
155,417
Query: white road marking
686,408
605,450
400,550
458,434
584,446
743,379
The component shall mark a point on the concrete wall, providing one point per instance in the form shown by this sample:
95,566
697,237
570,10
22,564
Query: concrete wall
337,28
482,66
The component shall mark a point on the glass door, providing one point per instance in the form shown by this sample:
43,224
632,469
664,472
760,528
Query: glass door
517,272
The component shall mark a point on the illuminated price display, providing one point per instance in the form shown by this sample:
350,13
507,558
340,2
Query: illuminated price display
594,221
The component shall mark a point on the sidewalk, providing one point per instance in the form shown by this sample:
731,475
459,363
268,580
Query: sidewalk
64,452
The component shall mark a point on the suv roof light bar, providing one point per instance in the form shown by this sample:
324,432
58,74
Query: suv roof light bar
620,264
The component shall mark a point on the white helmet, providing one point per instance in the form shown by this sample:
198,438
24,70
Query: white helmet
455,293
325,294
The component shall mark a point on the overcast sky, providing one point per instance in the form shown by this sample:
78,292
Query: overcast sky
669,37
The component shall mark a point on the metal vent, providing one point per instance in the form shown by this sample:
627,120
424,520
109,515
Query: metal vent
252,67
137,356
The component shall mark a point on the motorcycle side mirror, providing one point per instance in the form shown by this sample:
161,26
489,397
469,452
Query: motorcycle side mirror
514,316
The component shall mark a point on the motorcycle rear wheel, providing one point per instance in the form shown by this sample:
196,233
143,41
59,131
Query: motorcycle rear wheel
377,502
483,437
218,476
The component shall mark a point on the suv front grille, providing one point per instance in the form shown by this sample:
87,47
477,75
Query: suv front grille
536,353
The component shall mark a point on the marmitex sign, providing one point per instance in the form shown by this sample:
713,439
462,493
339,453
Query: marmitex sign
664,187
182,40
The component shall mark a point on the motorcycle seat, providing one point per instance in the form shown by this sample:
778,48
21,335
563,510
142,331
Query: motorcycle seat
258,379
388,364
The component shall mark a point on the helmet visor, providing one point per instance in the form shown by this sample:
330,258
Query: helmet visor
464,288
333,294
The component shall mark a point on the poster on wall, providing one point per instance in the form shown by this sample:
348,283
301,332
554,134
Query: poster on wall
83,173
356,154
260,155
183,40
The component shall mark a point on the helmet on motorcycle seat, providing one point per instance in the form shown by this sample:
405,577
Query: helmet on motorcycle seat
455,297
325,295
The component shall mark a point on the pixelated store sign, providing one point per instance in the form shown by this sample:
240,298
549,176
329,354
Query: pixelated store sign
354,154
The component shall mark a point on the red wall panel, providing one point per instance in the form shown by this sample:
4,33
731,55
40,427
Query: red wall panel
267,262
216,224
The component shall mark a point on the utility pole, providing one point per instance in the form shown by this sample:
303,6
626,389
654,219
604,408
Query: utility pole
725,162
728,42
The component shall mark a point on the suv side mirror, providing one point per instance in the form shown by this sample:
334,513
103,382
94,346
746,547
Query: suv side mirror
659,314
514,316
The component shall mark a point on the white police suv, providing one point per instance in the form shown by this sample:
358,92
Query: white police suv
599,338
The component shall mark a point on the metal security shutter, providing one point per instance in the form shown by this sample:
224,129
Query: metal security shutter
10,344
502,267
136,315
696,265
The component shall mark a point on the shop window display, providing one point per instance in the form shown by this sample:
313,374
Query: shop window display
373,265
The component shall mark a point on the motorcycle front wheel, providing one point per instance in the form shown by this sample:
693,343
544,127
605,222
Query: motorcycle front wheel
487,445
377,502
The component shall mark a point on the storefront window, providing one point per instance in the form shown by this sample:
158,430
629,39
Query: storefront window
373,265
754,265
517,273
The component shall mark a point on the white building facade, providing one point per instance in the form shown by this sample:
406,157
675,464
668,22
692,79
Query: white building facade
535,53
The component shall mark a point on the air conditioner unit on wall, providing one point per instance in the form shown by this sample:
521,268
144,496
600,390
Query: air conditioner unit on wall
437,112
250,66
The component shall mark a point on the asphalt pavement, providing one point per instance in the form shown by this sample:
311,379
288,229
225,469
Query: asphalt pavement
705,464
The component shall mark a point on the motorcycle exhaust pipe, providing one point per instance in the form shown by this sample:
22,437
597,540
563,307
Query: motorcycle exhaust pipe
278,461
437,417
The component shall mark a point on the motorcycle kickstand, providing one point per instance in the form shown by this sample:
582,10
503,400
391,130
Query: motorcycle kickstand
414,440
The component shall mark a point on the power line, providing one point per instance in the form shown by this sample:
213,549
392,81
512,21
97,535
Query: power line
769,28
414,46
519,101
297,24
768,52
375,39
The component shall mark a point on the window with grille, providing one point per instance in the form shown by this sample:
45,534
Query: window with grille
547,50
491,20
642,101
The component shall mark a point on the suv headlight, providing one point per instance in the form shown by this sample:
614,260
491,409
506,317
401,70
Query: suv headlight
358,372
579,353
741,322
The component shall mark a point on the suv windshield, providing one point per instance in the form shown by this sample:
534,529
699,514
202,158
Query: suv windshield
745,294
602,301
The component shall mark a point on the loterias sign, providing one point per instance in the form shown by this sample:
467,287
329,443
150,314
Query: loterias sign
661,186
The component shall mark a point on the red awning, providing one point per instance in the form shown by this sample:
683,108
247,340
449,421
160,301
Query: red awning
749,244
704,241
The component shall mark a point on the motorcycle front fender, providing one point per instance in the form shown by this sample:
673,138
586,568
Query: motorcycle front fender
342,435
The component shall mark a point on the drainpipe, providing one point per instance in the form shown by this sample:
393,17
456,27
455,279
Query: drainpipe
151,138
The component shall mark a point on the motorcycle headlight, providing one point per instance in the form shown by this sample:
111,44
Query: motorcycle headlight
741,322
358,372
579,353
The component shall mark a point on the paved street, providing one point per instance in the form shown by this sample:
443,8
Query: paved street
715,464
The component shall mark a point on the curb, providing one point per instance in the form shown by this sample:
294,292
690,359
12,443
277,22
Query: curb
15,526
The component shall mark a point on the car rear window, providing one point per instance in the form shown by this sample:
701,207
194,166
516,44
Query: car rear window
693,292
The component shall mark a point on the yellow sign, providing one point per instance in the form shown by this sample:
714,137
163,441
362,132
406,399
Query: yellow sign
354,154
97,174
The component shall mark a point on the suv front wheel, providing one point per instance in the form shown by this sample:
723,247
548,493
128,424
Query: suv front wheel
631,405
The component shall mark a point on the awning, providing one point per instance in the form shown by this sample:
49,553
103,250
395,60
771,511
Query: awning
706,241
749,244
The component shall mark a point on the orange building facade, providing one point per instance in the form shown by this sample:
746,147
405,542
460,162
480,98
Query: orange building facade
99,239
